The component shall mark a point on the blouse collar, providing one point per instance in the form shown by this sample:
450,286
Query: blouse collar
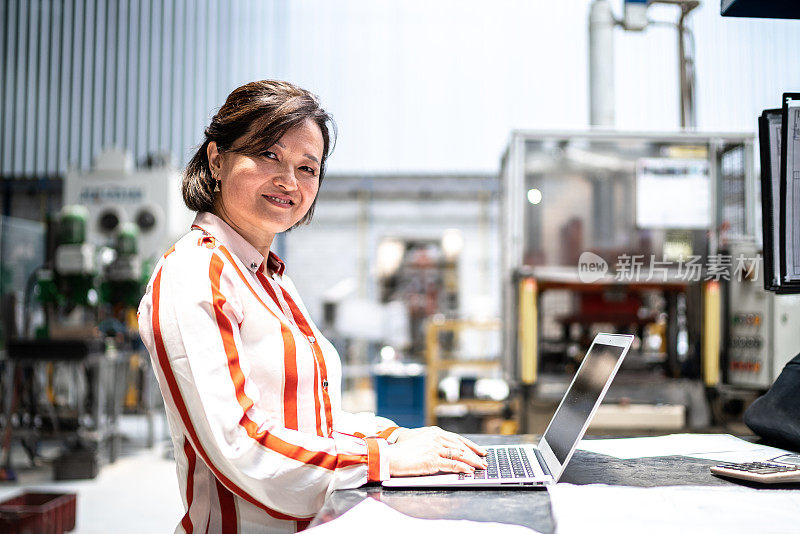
236,244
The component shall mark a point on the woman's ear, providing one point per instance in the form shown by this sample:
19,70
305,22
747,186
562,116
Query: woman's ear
214,157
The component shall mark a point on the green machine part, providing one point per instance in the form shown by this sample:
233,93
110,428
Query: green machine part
127,242
74,288
125,286
72,222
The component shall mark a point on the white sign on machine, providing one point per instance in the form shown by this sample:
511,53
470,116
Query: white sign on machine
673,193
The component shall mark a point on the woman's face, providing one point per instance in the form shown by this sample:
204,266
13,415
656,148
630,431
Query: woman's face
261,196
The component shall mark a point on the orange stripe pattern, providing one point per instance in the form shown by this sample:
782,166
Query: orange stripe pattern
227,507
191,459
374,467
252,389
387,432
309,333
177,398
289,367
270,441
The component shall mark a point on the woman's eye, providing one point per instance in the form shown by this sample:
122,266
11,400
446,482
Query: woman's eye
270,155
309,170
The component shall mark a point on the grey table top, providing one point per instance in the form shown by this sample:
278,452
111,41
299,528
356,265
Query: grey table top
528,507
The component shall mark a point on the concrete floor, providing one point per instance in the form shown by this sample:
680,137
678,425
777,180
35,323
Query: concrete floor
137,493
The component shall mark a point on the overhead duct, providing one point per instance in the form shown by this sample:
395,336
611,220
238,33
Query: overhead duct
601,56
601,64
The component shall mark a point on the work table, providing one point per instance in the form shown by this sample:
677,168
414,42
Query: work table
528,507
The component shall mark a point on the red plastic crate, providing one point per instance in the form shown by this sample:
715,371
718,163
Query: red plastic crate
38,513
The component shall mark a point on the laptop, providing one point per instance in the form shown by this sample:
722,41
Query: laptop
527,465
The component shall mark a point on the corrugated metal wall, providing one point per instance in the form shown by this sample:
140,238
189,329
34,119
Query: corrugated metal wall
454,76
80,75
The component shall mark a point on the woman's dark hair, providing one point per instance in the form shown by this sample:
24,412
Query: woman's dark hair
252,119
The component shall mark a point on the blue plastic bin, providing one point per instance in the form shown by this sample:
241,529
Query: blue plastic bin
401,399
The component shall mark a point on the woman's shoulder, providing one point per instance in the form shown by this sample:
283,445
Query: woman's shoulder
185,263
195,265
192,246
201,253
195,252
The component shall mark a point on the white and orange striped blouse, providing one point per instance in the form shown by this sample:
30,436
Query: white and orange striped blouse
252,389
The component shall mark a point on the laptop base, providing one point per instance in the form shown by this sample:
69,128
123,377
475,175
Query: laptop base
509,466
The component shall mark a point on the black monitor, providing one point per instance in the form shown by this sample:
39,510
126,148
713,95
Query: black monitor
771,9
779,137
769,136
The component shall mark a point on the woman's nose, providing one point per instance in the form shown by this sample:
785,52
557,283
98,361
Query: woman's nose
286,179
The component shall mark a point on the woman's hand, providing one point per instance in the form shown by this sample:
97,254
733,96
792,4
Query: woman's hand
430,450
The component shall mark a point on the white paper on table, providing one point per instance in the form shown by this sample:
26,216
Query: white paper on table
598,508
721,447
762,454
372,514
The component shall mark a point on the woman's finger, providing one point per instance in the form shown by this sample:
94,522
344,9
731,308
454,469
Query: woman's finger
470,458
450,441
471,444
450,452
455,466
453,439
463,455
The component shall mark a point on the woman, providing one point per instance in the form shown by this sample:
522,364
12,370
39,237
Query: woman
252,389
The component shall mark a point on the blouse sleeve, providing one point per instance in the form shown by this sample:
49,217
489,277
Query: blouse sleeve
189,320
365,424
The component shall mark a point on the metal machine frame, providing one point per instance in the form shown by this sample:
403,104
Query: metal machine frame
521,352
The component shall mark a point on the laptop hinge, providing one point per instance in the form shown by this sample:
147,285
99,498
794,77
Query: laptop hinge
542,463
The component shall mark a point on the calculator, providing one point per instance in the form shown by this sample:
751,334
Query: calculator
765,472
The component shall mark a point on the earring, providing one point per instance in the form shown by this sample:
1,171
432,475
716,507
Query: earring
216,185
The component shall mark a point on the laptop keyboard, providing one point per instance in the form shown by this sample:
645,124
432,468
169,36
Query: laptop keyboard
505,463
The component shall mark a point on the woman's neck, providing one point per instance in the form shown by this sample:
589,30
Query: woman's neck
260,241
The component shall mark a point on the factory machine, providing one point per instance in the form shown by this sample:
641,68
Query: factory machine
132,216
101,247
644,233
116,222
115,193
760,328
78,358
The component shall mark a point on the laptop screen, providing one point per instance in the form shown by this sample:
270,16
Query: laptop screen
567,423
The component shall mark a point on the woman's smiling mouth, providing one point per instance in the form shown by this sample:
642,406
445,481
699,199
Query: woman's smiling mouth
279,201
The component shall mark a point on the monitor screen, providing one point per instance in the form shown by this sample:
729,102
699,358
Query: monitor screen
567,423
769,129
790,193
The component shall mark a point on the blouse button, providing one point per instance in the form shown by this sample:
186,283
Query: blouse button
254,265
312,339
